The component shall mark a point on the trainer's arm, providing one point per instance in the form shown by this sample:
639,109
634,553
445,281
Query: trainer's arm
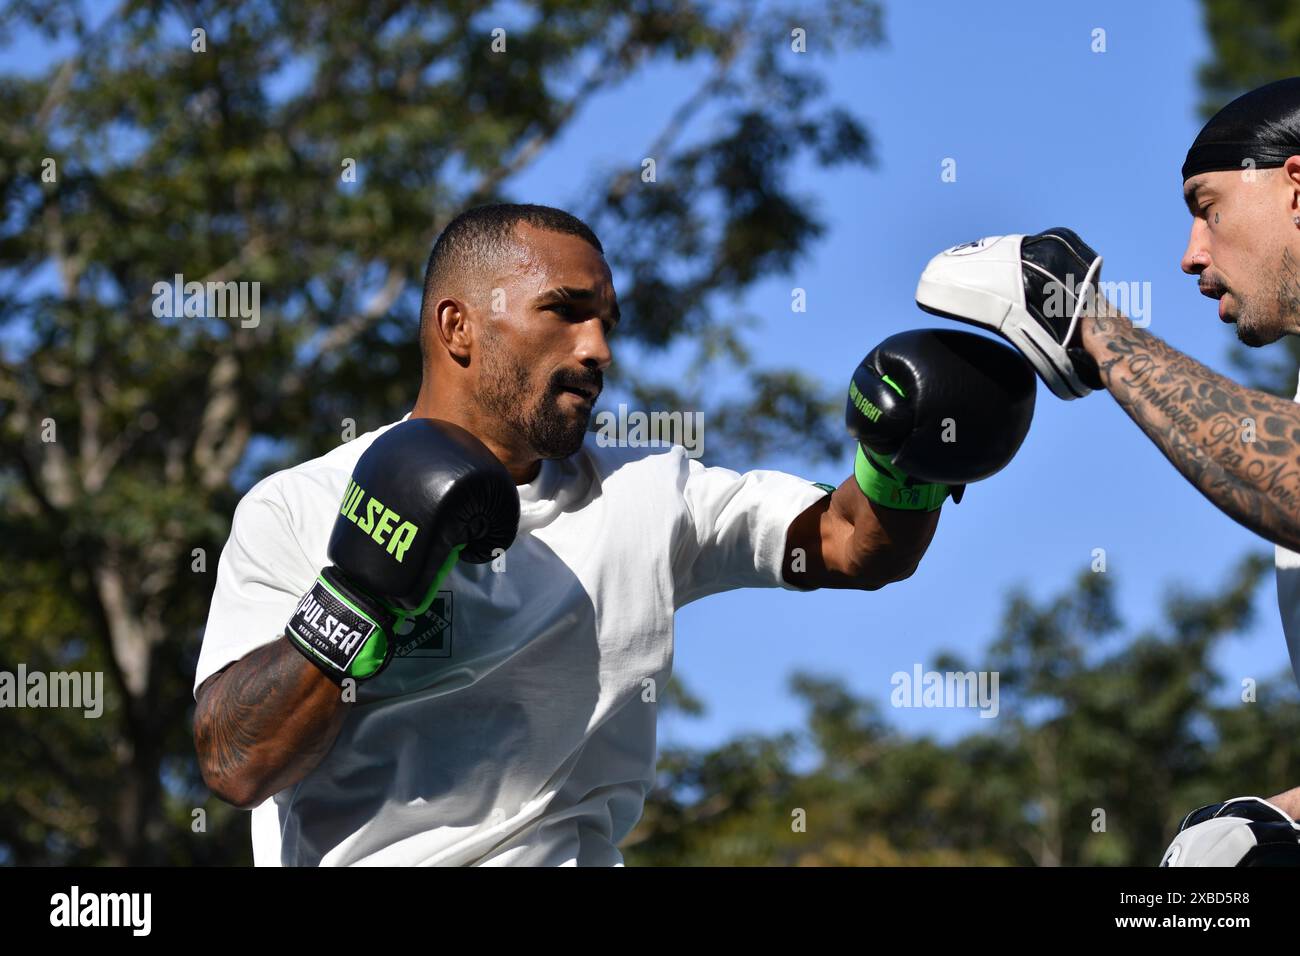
1198,419
845,541
264,723
1288,801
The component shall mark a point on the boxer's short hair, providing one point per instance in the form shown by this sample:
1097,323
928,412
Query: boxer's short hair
479,237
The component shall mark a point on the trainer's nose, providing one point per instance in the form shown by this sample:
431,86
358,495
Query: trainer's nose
1196,257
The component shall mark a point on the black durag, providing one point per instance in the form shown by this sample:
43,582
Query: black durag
1259,129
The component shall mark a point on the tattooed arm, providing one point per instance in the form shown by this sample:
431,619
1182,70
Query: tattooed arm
264,723
1239,447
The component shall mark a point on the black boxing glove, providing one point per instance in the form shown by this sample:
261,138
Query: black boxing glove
425,494
934,409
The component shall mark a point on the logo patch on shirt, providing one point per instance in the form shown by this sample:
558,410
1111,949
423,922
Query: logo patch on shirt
428,635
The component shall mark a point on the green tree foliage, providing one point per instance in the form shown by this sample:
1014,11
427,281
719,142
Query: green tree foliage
1251,44
1103,739
134,149
1139,725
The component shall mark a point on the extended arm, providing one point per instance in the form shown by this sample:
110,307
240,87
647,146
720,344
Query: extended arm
846,541
1240,448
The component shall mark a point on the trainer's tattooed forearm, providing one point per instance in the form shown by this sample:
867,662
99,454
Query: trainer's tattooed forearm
264,722
1241,448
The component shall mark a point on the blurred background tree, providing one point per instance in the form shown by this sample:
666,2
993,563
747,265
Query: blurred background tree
1093,717
126,439
1103,740
223,156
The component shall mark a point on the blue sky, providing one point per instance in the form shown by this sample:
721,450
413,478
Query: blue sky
1044,132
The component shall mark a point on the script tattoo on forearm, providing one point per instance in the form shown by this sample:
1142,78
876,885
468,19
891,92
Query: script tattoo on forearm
1239,447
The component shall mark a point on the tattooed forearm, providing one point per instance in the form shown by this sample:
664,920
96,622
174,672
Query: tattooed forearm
1239,447
264,723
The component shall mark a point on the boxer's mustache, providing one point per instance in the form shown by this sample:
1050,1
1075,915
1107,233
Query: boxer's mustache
591,386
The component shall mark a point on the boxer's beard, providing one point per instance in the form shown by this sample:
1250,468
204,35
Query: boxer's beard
546,426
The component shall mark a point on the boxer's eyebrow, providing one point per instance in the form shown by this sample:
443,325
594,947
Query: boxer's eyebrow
567,293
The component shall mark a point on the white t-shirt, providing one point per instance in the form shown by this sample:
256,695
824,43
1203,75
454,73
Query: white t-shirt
1288,595
516,722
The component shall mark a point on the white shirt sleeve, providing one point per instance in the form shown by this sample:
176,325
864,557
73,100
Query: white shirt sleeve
1288,596
737,528
262,574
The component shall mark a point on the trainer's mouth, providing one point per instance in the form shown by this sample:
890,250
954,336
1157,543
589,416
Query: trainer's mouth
1218,292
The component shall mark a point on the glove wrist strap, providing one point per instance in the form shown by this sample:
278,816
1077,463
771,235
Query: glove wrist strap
341,631
886,485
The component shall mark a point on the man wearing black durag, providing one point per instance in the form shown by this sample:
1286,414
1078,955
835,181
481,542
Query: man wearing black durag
1240,448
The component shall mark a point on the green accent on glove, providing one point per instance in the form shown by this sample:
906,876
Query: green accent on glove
372,623
892,384
432,593
374,652
886,485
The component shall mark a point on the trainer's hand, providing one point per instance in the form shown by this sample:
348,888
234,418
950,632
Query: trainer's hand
1031,290
934,409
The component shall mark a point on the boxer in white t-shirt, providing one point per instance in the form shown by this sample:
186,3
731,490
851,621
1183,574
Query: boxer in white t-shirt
403,664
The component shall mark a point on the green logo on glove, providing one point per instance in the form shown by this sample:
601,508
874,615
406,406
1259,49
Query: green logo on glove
863,404
377,521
